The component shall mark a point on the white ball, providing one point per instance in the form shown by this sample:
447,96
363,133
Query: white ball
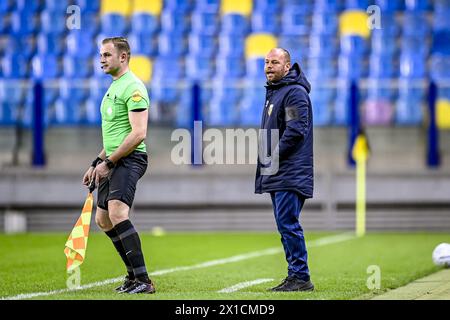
441,255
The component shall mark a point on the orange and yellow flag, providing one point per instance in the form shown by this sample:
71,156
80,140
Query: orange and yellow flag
76,245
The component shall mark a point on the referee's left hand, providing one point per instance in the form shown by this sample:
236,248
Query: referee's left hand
100,172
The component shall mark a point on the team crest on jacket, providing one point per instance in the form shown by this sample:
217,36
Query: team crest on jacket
136,96
269,111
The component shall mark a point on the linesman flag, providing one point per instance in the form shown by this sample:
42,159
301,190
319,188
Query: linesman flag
76,245
361,149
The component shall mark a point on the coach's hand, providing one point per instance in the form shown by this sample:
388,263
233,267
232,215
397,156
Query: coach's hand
100,172
88,176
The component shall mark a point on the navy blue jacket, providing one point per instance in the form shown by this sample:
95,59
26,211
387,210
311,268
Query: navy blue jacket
288,109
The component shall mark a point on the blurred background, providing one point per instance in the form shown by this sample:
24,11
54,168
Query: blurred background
394,56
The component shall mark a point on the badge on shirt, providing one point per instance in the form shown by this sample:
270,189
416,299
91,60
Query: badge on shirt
136,96
270,110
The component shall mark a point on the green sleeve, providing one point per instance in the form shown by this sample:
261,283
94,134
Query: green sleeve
136,97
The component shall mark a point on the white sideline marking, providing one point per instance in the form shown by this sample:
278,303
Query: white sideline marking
315,243
243,285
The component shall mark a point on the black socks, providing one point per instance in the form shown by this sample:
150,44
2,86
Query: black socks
132,249
112,234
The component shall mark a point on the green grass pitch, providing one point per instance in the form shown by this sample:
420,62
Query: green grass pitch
32,263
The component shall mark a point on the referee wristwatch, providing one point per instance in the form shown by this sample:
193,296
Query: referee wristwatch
109,163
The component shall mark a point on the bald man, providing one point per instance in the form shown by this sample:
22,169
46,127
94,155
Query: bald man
286,173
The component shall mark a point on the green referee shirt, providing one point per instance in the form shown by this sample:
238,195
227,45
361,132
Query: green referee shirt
124,95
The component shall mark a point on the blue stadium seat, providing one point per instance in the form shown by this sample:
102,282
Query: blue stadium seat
90,23
89,6
202,43
441,21
440,67
167,67
321,98
223,109
389,25
390,6
206,5
15,66
48,43
418,5
5,23
321,6
231,44
171,44
415,24
80,44
20,44
381,66
144,23
46,66
113,24
53,23
29,6
5,6
235,24
165,92
353,45
321,67
23,23
57,6
351,67
341,105
77,67
174,21
295,21
264,23
322,45
230,67
252,104
271,6
357,4
199,66
412,65
67,112
205,22
409,107
441,42
298,46
255,68
414,45
384,43
299,5
143,44
324,23
179,5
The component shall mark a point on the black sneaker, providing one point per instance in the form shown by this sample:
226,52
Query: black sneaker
141,287
295,284
125,285
280,285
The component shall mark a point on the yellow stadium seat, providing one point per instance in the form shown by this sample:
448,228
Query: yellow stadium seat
354,22
443,114
259,44
153,7
141,67
243,7
122,7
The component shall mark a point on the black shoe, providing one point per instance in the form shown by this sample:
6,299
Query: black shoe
141,287
280,285
295,284
125,285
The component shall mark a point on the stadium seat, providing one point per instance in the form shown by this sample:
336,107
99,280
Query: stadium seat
441,21
295,22
252,105
321,98
80,44
57,6
153,7
51,44
113,24
417,5
144,23
15,66
415,45
383,43
412,65
353,45
76,67
440,67
169,68
223,109
23,23
259,44
341,105
324,23
207,5
67,112
390,6
351,67
5,6
322,45
409,106
354,22
262,22
53,23
29,6
199,66
443,114
174,21
441,42
90,23
326,6
141,67
20,44
234,24
266,5
255,68
115,7
46,66
143,44
298,46
231,45
172,44
230,67
89,6
415,24
205,22
381,66
204,44
320,67
242,7
357,4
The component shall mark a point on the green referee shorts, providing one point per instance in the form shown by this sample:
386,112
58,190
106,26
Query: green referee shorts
121,182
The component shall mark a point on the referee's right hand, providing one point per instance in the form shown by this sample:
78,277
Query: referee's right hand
88,176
